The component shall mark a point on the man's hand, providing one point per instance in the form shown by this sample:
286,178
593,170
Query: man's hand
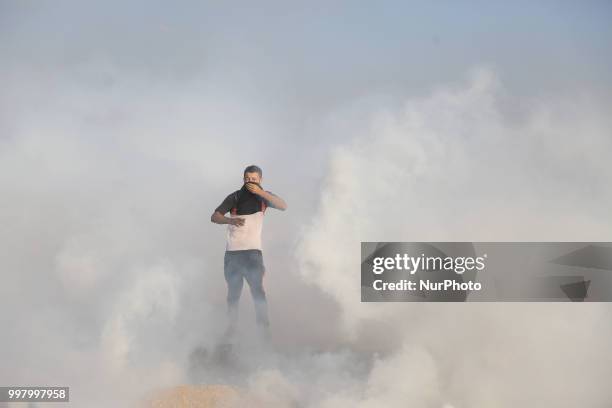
237,222
274,200
254,188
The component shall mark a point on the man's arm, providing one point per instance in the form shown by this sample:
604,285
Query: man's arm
274,200
219,218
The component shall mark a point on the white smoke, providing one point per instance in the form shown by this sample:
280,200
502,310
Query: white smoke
111,272
455,166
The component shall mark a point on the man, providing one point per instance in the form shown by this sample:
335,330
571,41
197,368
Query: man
243,255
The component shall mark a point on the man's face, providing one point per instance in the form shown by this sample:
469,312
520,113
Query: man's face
252,177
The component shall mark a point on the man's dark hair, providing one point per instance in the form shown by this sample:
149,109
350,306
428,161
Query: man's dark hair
252,169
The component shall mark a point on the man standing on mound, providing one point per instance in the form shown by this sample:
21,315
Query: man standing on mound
243,257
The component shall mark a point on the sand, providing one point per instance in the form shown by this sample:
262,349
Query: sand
201,396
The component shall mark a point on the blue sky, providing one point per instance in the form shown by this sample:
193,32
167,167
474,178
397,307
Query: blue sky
348,47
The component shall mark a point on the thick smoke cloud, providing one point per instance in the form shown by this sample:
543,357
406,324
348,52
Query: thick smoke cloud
109,266
455,166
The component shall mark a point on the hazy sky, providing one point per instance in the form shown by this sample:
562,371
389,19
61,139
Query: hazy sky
280,49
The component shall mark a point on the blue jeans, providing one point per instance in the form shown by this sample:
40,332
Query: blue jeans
239,266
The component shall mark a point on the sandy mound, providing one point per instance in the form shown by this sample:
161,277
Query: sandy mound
201,396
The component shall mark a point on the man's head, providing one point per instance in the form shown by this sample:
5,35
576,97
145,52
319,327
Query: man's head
252,174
